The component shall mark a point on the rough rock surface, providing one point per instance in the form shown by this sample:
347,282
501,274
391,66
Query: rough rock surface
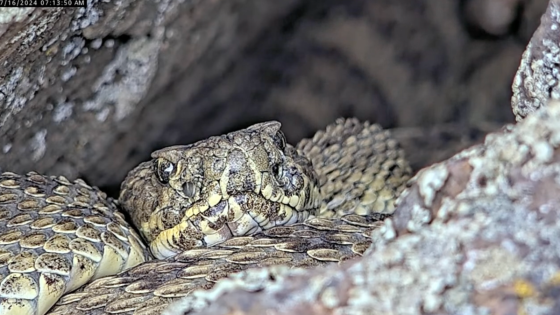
477,233
538,79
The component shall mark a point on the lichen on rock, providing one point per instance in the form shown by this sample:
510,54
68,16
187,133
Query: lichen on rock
538,78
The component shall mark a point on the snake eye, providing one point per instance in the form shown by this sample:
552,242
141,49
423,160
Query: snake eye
164,169
280,140
189,189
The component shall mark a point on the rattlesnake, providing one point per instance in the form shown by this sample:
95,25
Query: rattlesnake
206,210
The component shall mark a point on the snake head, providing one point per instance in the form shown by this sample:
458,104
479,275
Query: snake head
205,193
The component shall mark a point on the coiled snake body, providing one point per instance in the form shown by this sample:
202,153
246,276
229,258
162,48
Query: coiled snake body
206,210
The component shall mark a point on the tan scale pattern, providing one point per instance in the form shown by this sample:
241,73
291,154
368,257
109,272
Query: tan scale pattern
149,288
55,236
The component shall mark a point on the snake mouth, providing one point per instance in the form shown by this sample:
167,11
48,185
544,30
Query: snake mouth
245,214
238,215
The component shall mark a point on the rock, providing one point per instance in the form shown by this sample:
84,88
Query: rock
537,79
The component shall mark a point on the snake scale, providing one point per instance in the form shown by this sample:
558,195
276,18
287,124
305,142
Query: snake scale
202,211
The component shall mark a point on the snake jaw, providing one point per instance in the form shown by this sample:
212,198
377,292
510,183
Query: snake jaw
232,185
183,234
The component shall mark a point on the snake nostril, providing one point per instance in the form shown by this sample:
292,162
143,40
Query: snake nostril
277,170
189,189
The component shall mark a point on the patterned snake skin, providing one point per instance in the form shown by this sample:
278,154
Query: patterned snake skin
206,210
